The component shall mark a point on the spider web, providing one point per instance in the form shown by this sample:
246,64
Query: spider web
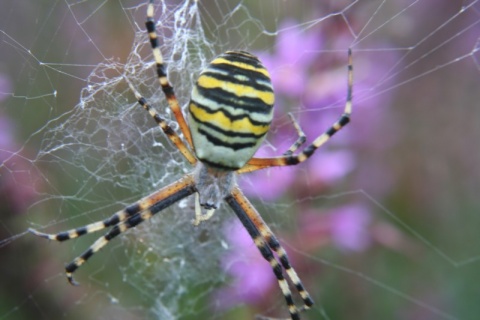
380,224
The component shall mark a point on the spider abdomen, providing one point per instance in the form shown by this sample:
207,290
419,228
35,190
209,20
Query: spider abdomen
230,110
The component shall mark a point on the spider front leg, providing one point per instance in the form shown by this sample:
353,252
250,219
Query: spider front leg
162,74
162,123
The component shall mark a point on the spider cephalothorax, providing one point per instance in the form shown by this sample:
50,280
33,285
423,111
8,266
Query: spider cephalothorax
212,185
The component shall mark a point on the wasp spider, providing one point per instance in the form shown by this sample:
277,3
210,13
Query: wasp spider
230,112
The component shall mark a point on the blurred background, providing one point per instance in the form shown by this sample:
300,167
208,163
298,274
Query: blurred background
381,223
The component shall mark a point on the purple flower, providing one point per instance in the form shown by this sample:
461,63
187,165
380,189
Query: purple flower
346,227
287,67
269,184
349,228
331,166
16,191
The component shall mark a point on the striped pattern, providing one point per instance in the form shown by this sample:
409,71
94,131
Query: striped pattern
231,109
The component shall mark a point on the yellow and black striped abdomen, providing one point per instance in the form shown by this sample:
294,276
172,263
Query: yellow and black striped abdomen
231,109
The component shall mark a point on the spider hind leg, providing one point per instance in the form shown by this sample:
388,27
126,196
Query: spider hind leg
103,241
267,243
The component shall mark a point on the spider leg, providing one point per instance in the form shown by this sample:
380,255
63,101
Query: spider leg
104,240
162,123
273,243
199,216
116,218
265,241
162,74
290,159
300,140
123,220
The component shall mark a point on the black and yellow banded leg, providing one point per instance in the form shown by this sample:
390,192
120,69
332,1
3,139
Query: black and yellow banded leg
300,140
104,240
272,242
162,75
267,255
162,123
291,159
265,242
123,220
115,219
122,215
171,194
282,255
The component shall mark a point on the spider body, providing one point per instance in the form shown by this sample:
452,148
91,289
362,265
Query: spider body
230,112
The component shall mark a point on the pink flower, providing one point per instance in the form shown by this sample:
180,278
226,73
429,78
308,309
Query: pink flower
16,179
288,69
349,228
